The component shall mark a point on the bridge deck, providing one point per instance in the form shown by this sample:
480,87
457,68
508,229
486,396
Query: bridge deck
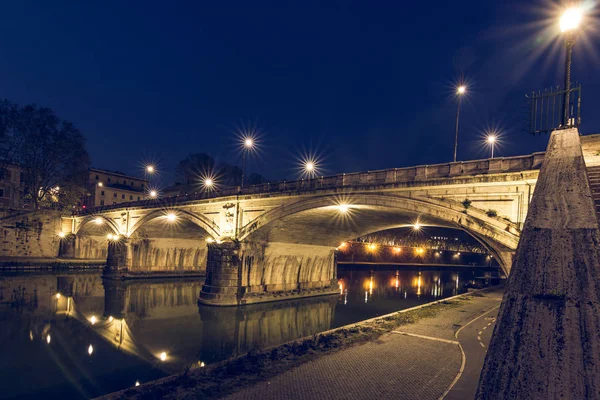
406,175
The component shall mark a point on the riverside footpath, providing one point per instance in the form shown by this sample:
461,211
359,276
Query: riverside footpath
432,352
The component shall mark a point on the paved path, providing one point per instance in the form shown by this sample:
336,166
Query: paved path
474,339
417,361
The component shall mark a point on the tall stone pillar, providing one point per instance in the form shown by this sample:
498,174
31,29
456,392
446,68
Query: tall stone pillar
222,283
118,259
546,344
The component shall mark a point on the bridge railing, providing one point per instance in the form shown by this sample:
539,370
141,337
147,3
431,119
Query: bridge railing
356,179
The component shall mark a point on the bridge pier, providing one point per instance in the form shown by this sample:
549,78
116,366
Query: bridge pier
66,249
246,273
118,258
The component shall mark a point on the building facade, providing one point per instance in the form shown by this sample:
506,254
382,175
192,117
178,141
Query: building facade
110,187
12,194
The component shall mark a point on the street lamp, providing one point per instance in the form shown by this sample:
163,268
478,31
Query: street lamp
248,145
150,169
460,91
491,139
153,194
569,22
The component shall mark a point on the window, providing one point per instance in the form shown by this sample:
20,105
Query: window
2,173
131,183
142,186
108,180
124,182
114,195
123,196
1,192
130,197
22,178
102,193
97,177
138,198
101,202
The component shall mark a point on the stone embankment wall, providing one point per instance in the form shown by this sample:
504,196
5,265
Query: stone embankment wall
255,272
167,254
277,267
91,247
32,234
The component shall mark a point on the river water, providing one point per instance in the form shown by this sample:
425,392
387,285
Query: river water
73,335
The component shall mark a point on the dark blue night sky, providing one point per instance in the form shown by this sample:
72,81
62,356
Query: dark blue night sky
367,85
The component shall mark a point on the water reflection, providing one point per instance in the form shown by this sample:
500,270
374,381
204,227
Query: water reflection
101,336
367,292
78,336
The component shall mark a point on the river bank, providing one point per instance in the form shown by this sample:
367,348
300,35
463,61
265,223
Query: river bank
413,353
13,263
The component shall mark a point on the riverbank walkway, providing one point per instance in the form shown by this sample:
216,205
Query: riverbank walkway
417,361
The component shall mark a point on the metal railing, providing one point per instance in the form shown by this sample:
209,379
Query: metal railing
355,180
546,109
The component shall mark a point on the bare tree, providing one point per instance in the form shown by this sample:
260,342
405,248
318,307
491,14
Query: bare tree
50,151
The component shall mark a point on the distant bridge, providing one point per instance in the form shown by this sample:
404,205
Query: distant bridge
264,241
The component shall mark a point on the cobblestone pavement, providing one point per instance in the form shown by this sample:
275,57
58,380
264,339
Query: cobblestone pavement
418,361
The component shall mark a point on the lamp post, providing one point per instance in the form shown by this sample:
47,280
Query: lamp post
460,91
569,22
248,145
491,139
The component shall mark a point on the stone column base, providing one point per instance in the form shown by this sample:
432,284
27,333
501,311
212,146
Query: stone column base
221,286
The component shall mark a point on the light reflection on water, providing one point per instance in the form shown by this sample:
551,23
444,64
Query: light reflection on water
367,291
77,336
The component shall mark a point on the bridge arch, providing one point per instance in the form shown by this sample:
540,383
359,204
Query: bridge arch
208,226
89,221
382,211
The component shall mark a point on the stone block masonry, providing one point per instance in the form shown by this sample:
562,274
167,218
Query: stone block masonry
546,344
32,234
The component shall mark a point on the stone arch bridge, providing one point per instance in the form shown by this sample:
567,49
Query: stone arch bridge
263,242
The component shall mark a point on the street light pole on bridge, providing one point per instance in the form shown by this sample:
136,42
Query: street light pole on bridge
569,22
460,91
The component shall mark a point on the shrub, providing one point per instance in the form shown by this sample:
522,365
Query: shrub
492,213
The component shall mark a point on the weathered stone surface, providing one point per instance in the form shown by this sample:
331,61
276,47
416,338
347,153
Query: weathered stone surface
546,344
32,234
260,272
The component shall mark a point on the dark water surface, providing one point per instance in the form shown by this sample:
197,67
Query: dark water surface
77,336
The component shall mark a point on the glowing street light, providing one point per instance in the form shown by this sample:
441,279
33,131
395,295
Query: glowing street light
98,221
61,234
570,19
460,92
149,169
110,236
208,183
153,194
171,217
163,356
90,350
491,139
343,208
417,226
93,320
569,22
